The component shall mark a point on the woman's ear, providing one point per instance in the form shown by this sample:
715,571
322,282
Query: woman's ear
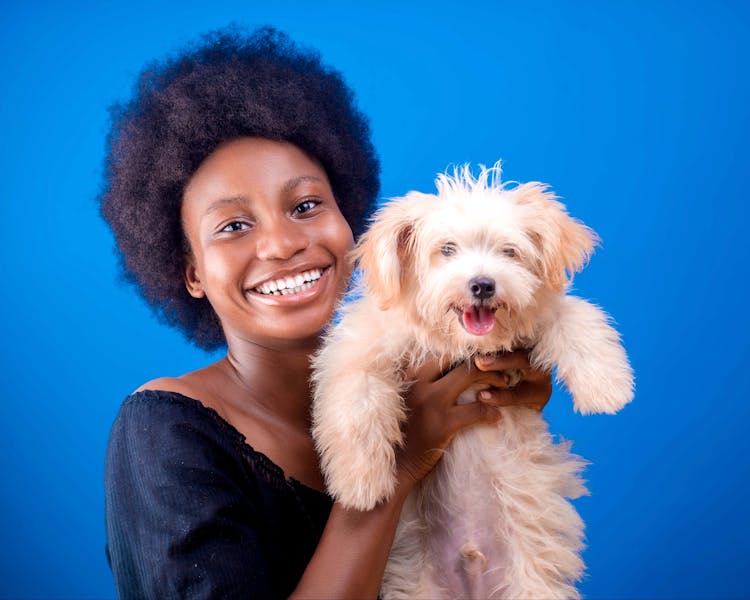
192,280
564,243
386,246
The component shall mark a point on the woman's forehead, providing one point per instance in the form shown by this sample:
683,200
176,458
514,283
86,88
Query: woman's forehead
252,166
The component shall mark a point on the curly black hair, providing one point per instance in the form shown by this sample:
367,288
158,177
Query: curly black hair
230,84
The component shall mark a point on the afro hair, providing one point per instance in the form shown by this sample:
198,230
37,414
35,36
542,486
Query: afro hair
230,84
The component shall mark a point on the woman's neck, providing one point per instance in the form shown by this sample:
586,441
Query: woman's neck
272,379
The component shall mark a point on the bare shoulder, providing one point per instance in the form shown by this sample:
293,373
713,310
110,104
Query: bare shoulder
199,385
180,385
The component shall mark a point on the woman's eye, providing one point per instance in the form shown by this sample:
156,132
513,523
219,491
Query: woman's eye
448,249
510,252
234,226
305,206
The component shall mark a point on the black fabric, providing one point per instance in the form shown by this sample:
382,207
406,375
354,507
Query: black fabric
192,511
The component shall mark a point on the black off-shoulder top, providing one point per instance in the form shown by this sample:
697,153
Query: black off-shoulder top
192,511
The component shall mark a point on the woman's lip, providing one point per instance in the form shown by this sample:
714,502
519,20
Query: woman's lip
292,299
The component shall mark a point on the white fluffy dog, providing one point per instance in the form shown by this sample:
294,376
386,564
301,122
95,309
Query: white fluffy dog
482,267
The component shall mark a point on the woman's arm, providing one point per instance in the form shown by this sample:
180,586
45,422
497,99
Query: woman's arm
351,557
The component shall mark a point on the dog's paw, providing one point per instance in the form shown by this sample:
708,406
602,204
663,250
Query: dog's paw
598,389
363,481
512,377
360,474
589,356
601,382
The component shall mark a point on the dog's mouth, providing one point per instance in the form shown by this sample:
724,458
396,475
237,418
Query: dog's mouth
477,319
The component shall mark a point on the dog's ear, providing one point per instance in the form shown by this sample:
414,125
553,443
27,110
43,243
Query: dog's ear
386,248
564,243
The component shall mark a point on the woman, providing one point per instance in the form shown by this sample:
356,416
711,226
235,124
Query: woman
237,178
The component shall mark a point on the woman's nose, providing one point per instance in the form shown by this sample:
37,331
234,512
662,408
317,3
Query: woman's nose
279,239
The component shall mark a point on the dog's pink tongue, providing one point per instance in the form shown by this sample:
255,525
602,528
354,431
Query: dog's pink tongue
478,320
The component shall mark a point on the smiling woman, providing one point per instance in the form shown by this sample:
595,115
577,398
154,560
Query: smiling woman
235,179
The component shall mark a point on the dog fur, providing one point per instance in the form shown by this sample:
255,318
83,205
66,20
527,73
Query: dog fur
491,520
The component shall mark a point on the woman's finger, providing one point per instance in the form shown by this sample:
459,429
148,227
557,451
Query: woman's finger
519,359
530,394
465,415
466,375
455,381
512,360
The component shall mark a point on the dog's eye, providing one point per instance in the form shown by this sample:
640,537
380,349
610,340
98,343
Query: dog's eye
510,252
448,249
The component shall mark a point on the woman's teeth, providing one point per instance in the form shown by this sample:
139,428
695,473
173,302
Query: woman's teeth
290,285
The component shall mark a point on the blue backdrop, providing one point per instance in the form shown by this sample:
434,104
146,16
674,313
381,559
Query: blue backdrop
637,114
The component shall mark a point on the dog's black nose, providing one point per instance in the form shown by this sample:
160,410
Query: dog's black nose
482,288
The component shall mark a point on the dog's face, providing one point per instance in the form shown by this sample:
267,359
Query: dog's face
468,263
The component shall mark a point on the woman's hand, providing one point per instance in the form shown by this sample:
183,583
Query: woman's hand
533,390
434,417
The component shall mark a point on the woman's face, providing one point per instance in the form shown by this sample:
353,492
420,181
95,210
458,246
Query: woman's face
268,242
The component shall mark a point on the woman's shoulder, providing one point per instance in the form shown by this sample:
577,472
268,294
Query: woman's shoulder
163,410
175,398
173,412
199,386
171,426
179,385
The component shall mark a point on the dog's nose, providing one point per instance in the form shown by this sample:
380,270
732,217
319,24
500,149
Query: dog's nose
482,287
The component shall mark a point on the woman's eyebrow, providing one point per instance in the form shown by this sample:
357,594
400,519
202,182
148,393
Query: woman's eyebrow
295,181
217,204
288,186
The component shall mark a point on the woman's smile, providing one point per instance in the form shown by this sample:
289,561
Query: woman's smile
301,286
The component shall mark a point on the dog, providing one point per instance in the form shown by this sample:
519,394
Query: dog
480,267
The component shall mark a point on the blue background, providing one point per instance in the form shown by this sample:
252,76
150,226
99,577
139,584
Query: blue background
637,114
